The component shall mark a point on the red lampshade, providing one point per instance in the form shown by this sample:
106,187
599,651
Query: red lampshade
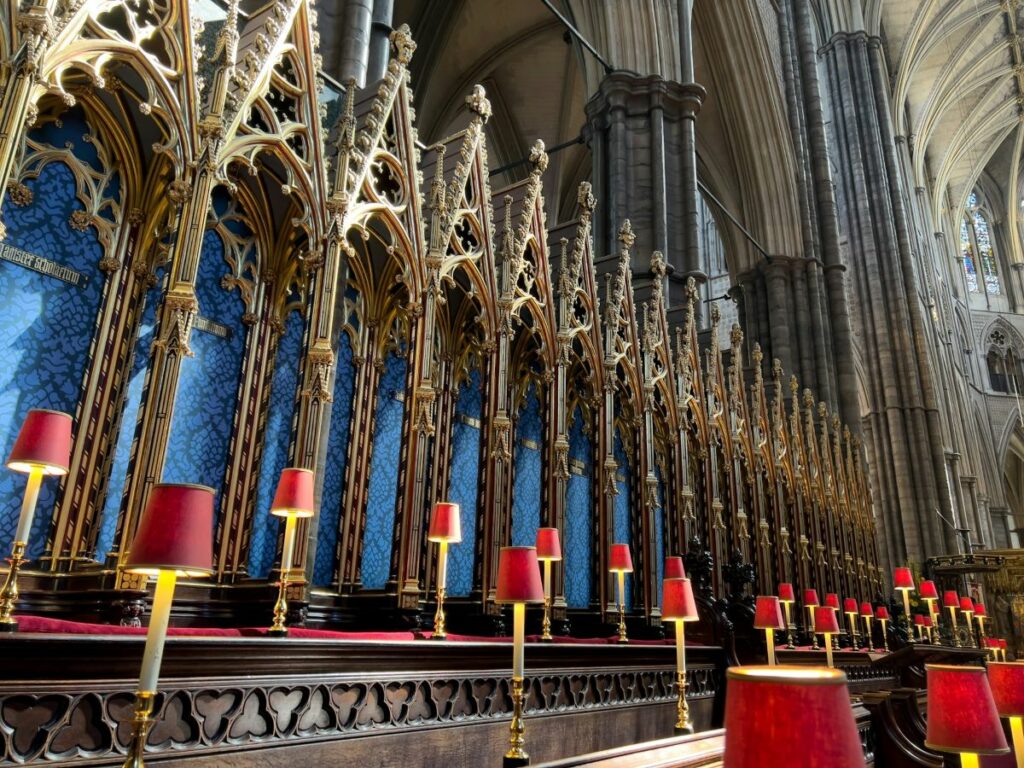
979,611
850,605
1007,682
444,523
966,604
768,613
519,576
832,601
927,591
677,603
674,568
950,599
918,620
786,594
810,597
882,613
825,621
816,731
902,578
44,442
175,532
1002,643
866,610
962,715
294,493
548,545
928,621
619,558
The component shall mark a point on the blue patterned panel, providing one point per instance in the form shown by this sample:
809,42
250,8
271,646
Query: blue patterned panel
129,419
659,537
46,326
283,389
526,490
621,523
463,487
382,494
579,518
334,472
204,409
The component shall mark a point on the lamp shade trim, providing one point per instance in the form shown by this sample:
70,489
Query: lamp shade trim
962,714
445,524
549,546
519,576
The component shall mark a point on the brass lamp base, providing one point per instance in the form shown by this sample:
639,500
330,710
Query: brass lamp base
683,725
516,755
545,628
440,629
623,638
9,593
141,723
278,628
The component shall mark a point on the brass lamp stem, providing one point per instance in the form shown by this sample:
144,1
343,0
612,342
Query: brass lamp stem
9,593
516,755
623,638
278,628
141,723
810,625
789,627
885,635
683,723
545,629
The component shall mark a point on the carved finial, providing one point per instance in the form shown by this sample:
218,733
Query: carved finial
402,45
716,316
808,399
757,356
822,410
507,234
736,335
585,198
776,368
478,103
794,386
626,236
538,157
658,265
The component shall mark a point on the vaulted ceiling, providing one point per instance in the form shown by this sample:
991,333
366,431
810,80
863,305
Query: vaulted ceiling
957,74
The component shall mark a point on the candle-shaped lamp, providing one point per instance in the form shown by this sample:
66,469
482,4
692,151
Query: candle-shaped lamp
903,582
825,623
174,538
928,592
882,614
518,583
293,500
620,562
951,601
980,615
918,626
549,549
929,625
768,616
810,603
679,606
43,447
850,609
1007,683
819,727
787,597
1002,648
445,528
867,613
832,602
962,716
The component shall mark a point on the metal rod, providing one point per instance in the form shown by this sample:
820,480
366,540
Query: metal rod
608,68
551,151
728,214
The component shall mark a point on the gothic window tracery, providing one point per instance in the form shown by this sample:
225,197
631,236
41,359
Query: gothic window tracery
978,250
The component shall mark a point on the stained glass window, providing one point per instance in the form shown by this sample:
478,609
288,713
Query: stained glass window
968,253
978,250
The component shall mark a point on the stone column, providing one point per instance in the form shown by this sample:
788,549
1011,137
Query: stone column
380,46
641,130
